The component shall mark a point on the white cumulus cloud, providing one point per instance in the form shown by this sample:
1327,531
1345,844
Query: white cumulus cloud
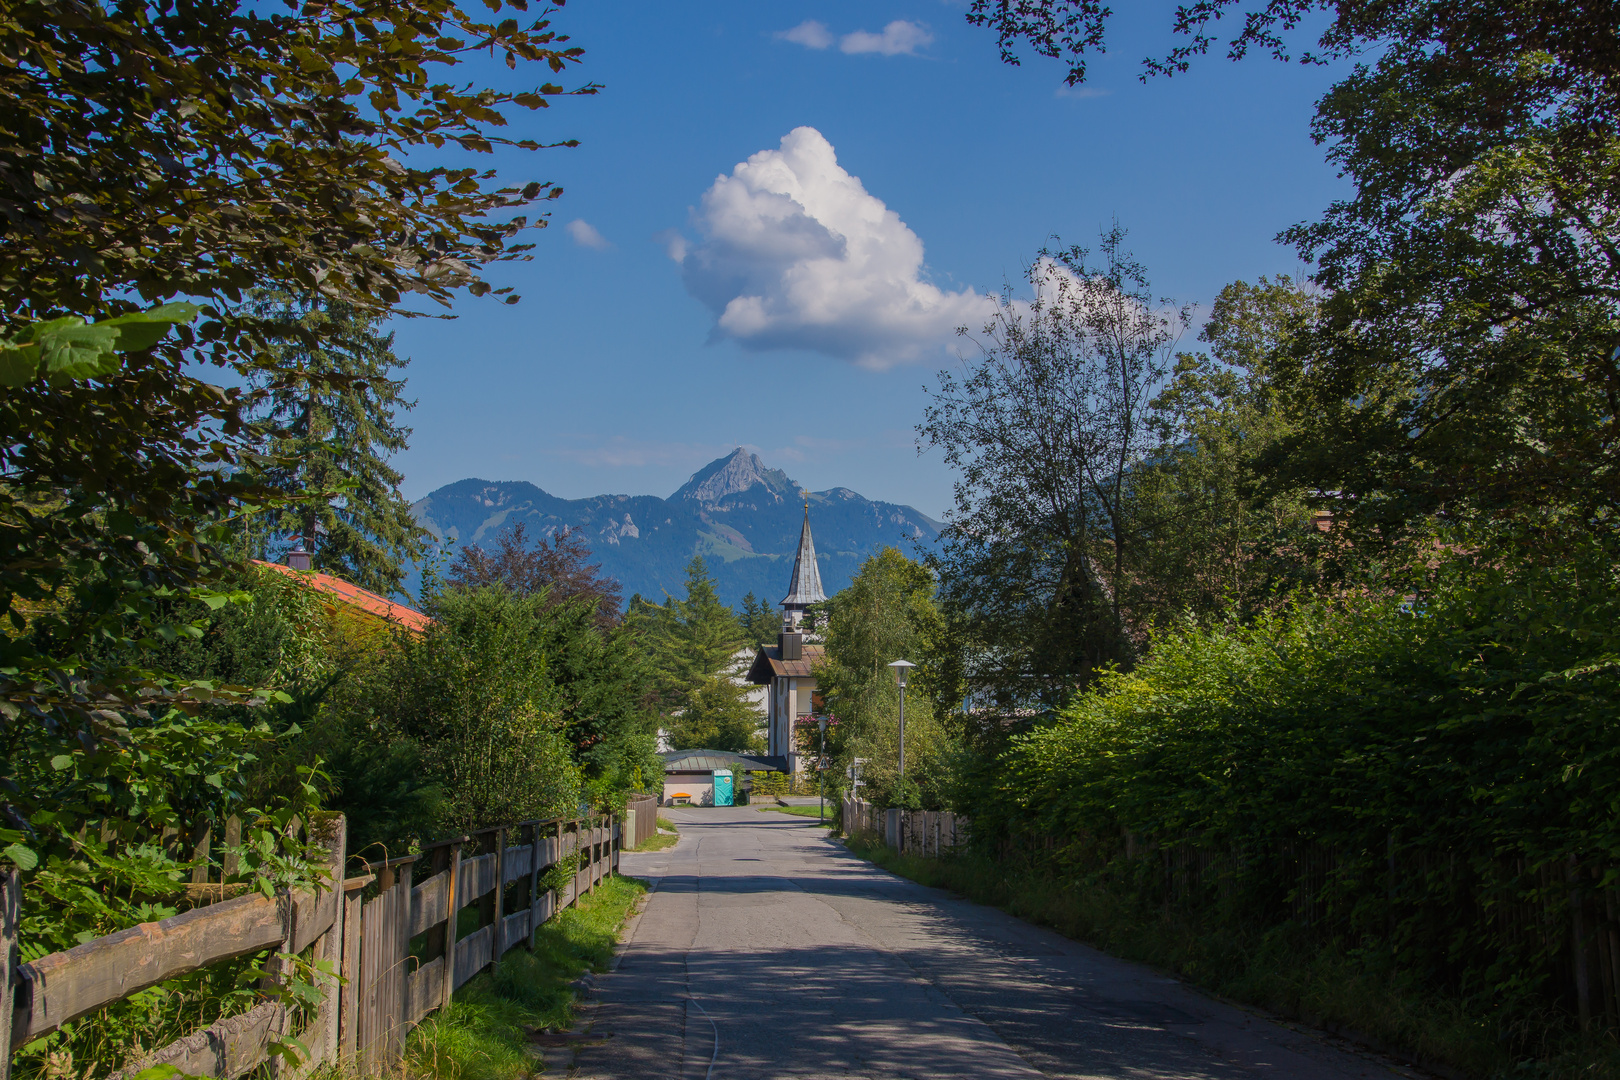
899,38
796,254
810,33
585,235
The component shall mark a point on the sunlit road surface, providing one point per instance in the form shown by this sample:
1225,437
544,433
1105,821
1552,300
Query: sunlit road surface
768,950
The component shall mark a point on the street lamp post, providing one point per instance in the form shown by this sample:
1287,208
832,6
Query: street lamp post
901,669
821,768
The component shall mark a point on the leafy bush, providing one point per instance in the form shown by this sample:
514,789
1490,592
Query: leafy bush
474,692
1465,735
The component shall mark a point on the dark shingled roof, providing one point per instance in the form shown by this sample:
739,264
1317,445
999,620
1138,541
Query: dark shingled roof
709,760
805,588
768,664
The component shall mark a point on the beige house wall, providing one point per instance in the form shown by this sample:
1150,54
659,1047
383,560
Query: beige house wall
699,785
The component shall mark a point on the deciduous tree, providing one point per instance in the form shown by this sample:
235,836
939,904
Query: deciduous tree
1465,358
1232,528
1046,427
887,613
561,569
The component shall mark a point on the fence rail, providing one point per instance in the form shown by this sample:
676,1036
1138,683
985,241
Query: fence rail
403,939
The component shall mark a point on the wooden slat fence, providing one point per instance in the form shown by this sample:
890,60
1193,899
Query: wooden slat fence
405,934
640,820
918,832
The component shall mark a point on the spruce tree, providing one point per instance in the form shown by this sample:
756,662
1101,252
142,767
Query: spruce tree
760,620
332,431
687,641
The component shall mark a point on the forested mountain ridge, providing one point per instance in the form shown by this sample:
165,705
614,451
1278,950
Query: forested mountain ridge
741,516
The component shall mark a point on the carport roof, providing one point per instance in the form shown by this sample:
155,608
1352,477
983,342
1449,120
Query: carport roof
709,760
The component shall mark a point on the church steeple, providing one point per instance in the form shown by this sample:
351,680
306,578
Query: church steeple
805,588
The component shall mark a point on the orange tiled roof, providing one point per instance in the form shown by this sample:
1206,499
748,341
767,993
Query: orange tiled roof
354,596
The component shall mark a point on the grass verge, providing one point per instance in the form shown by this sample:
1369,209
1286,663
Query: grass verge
484,1034
657,842
798,811
1280,969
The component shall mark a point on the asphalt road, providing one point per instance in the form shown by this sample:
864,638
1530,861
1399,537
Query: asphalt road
767,950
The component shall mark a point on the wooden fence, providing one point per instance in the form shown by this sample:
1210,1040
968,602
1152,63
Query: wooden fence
917,832
640,820
405,934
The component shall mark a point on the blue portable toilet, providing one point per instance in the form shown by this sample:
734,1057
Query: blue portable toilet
722,787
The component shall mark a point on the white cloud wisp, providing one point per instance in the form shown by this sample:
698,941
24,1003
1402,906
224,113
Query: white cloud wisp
585,235
796,254
900,38
810,33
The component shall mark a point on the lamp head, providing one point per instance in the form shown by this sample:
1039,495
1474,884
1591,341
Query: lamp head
902,668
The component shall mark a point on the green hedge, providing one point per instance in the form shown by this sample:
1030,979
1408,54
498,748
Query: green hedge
1427,777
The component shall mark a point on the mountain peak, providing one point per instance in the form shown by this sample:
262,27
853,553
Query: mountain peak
733,474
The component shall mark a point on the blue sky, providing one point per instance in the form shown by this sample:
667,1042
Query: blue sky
808,332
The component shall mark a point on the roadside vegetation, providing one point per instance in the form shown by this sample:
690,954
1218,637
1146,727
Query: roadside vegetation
666,836
488,1031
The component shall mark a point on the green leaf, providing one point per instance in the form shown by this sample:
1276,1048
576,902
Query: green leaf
62,761
144,329
23,858
18,364
159,1072
35,332
78,352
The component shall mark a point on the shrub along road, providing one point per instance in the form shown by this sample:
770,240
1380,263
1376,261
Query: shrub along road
770,950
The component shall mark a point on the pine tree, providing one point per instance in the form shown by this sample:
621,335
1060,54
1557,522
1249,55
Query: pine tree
717,716
760,621
687,641
332,432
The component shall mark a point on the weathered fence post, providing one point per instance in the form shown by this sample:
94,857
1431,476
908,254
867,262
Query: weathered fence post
534,882
230,863
354,899
9,891
453,909
498,913
201,841
322,1035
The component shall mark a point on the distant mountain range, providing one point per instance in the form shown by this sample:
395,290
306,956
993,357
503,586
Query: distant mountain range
742,517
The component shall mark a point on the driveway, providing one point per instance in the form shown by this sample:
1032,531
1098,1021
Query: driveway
767,950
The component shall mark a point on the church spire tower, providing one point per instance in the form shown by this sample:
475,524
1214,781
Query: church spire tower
805,588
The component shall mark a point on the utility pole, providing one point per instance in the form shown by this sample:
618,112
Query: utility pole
902,668
821,768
